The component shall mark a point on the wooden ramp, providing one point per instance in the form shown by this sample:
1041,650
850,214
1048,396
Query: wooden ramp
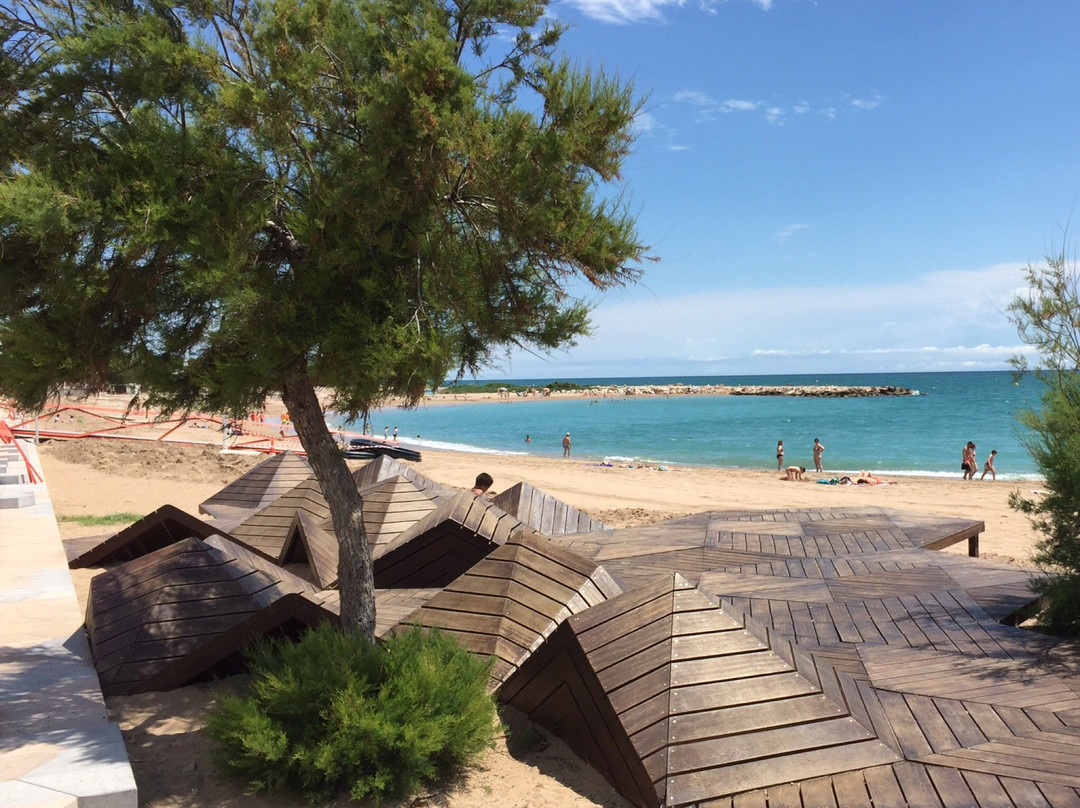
445,543
508,603
187,610
260,486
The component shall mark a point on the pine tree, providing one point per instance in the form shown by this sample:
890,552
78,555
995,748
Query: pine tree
218,201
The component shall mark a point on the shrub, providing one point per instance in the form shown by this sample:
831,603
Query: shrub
335,711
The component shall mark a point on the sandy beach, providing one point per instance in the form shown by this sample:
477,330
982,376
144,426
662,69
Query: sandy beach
169,754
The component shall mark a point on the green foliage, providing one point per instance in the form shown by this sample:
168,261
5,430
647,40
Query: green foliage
102,521
218,201
1048,318
335,711
211,198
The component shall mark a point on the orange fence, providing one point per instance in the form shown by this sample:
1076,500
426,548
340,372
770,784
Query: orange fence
7,436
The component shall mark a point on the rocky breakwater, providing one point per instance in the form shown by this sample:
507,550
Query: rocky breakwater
801,390
821,391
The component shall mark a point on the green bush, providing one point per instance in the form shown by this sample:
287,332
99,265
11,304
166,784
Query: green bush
335,711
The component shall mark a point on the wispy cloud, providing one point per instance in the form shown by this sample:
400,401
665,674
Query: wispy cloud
936,321
782,235
866,103
776,114
631,11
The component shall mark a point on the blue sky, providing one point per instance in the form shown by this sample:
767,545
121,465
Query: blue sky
831,186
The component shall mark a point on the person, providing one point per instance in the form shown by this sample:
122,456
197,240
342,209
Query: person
866,478
794,473
395,434
967,461
779,454
566,445
483,483
528,439
988,466
386,433
818,449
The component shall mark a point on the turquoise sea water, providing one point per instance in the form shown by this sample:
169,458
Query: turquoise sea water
895,435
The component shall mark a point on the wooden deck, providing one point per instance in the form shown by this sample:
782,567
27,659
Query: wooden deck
800,658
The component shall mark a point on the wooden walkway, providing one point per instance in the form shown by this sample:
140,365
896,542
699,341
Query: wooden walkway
802,658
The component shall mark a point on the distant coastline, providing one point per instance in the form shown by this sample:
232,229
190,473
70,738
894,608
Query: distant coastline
610,391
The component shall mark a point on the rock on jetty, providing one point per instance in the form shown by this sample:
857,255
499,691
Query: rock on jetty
821,391
801,390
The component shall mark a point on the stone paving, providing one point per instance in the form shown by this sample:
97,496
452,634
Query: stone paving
57,746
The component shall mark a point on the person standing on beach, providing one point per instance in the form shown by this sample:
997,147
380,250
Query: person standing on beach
988,467
819,448
395,434
566,445
779,454
967,461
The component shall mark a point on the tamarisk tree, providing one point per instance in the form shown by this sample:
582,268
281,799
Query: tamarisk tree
1047,316
223,199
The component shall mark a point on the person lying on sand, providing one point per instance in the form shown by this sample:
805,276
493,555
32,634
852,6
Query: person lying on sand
794,473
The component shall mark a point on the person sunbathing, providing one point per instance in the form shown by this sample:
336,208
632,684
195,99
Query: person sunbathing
866,478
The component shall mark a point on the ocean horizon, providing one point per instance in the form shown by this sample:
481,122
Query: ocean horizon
894,435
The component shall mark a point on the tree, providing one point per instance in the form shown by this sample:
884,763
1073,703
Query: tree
1047,317
219,200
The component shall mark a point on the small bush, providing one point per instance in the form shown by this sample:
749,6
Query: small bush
335,711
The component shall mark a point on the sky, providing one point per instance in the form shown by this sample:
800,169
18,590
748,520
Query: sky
830,187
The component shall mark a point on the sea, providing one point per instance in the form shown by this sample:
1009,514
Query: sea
919,434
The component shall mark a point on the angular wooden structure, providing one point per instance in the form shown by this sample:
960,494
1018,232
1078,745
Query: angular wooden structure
685,705
383,468
506,605
253,491
188,609
445,543
544,513
815,657
154,531
271,531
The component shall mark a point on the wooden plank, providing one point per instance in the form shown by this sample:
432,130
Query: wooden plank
906,727
695,786
951,787
851,790
1023,793
988,792
916,785
734,721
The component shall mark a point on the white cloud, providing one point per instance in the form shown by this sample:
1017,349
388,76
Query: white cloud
782,235
739,105
624,11
776,114
942,320
630,11
867,103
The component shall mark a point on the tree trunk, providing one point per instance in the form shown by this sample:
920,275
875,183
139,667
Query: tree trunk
355,576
